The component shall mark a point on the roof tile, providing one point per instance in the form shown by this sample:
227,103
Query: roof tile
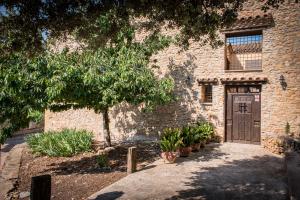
259,21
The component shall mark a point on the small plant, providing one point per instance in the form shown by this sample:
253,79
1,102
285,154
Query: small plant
102,161
65,143
171,140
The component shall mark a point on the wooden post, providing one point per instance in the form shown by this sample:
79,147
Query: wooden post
40,187
131,160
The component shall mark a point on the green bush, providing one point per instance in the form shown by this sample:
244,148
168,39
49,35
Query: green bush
102,161
171,140
65,143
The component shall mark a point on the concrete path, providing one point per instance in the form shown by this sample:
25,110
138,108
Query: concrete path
11,154
220,172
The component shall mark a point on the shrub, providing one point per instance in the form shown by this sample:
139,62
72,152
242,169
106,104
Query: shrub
102,161
171,140
65,143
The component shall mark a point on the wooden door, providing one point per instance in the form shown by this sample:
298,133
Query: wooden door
243,117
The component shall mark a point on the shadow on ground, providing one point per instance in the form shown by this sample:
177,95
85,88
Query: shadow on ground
11,142
260,178
110,195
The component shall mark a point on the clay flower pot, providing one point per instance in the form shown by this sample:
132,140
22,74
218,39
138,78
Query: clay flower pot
169,157
185,151
202,144
196,147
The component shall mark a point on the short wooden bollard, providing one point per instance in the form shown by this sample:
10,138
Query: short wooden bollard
131,160
40,187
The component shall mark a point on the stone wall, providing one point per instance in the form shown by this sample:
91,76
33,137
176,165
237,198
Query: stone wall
81,119
281,56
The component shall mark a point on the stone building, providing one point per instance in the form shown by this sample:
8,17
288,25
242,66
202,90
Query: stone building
249,88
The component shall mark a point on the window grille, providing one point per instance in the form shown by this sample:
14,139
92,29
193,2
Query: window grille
244,52
207,94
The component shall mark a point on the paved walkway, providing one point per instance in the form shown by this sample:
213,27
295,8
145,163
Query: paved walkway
220,172
11,154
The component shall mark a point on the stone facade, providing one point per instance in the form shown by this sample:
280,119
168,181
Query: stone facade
280,56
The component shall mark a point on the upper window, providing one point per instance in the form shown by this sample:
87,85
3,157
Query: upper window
244,52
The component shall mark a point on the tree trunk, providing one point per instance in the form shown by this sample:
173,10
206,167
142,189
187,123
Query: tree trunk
106,127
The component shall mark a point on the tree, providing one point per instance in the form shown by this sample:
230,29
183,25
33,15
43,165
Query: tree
106,77
110,67
94,79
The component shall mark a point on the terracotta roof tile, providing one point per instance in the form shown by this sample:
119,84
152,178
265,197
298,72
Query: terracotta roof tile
259,21
246,48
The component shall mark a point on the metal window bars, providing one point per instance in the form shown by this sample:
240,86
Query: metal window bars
244,52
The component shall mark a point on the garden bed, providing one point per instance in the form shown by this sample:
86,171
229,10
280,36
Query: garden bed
79,176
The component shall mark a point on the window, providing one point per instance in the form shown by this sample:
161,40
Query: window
244,52
244,89
207,94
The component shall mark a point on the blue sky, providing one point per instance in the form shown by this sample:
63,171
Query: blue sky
244,39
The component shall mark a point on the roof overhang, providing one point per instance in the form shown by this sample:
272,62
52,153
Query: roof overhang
250,23
244,81
207,81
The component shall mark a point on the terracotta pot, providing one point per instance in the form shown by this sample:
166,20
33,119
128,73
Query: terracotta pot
185,151
169,157
196,147
202,144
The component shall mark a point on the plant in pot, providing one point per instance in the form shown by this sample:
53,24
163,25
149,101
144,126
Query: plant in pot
187,141
206,132
169,144
198,138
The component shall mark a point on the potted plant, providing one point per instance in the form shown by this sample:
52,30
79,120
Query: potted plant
169,143
206,132
187,141
198,138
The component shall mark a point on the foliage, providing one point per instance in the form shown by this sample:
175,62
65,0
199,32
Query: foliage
197,133
65,143
93,79
36,116
187,135
102,161
22,91
171,140
203,131
103,78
